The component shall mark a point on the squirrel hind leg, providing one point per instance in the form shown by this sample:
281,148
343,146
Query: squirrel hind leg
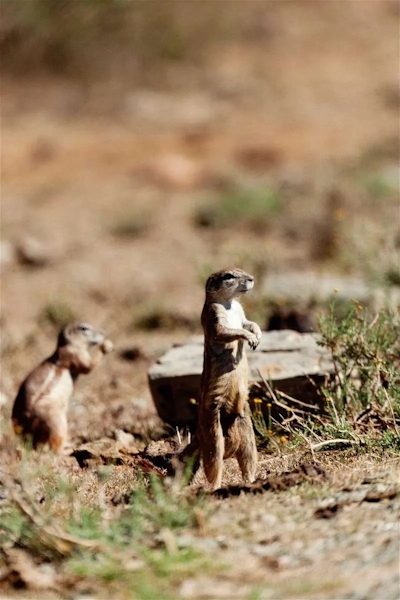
37,432
58,437
57,431
246,454
56,442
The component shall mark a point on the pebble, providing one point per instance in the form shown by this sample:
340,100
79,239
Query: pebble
3,399
32,252
124,438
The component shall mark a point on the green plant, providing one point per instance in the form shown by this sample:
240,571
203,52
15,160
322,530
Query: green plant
366,358
58,313
132,226
253,207
378,187
263,427
153,317
162,511
361,397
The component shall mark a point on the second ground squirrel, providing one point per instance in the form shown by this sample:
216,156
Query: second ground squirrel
40,408
225,425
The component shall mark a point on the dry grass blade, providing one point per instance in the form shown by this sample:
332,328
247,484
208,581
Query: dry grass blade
389,401
288,408
335,441
287,421
268,386
374,321
299,402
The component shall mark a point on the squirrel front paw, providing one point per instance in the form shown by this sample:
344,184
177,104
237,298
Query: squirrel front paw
106,346
257,331
252,340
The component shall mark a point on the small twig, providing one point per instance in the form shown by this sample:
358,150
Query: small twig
310,379
311,431
373,322
267,385
389,400
363,414
178,434
338,377
353,435
283,424
273,395
303,424
288,408
320,420
308,442
295,400
334,410
335,441
286,421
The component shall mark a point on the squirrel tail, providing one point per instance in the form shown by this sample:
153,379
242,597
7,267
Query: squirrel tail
212,446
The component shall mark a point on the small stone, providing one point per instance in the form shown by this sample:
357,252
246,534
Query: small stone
124,438
3,399
268,519
174,172
32,252
134,564
161,447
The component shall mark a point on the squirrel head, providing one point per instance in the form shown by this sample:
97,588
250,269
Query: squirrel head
227,284
80,334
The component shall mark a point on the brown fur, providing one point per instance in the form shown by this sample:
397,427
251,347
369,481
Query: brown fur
225,426
40,408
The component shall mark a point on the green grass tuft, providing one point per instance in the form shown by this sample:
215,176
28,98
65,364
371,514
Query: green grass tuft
58,313
254,208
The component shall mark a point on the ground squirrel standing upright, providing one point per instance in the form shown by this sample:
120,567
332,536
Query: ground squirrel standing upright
40,408
225,426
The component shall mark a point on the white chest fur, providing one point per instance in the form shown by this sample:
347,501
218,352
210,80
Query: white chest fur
57,389
235,315
64,385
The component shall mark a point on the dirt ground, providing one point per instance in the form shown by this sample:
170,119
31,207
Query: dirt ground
336,536
107,177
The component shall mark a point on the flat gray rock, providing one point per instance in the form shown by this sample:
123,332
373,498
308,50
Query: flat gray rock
293,362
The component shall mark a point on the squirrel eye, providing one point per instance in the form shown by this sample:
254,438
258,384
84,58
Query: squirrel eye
228,276
83,327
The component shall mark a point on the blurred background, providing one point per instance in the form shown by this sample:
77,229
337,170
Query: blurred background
147,144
